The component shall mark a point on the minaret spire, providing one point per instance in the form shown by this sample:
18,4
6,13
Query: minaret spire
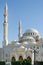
20,30
5,24
5,13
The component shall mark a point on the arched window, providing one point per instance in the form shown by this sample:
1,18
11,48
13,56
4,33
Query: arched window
31,33
13,58
20,58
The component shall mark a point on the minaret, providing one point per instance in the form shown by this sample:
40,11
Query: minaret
5,24
19,33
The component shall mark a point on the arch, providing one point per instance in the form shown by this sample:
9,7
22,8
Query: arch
13,58
20,58
29,58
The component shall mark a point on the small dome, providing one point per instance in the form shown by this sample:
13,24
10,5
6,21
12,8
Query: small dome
29,49
28,38
14,41
25,42
18,43
21,47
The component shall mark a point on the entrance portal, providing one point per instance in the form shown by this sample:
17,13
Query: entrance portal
20,58
29,58
13,58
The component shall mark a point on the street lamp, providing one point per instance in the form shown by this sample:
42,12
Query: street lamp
34,55
34,51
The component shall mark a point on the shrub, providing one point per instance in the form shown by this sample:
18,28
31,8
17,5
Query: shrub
2,62
15,63
26,62
23,62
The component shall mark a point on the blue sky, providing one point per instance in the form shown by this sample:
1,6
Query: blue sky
30,12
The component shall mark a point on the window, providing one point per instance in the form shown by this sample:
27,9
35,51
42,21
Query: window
33,33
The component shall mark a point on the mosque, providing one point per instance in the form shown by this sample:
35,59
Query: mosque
23,48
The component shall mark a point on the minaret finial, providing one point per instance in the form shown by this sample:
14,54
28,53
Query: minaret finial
6,8
5,13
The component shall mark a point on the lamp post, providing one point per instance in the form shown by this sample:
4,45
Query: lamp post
34,51
33,57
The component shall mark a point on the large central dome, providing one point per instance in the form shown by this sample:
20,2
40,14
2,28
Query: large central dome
30,33
32,30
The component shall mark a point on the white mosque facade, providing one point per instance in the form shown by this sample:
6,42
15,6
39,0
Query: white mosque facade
23,48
